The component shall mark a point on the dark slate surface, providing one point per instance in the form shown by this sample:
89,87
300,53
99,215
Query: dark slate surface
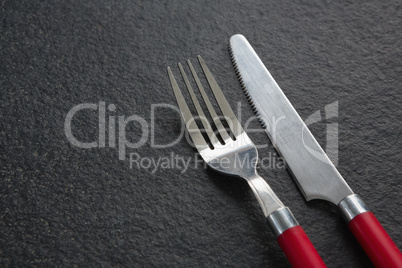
64,206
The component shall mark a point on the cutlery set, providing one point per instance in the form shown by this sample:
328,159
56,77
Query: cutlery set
223,144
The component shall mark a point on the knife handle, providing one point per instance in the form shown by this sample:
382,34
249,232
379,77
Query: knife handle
368,231
293,240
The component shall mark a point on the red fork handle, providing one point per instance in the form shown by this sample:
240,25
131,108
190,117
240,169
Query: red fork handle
298,249
375,241
293,240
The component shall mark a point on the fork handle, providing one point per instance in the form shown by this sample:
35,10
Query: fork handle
293,240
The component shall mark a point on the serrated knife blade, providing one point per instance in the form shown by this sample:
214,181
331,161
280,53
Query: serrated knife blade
311,168
314,172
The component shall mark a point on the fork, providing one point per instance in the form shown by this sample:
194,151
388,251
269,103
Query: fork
235,154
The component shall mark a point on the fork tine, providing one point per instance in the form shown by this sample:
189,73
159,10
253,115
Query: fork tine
208,129
211,109
230,117
192,128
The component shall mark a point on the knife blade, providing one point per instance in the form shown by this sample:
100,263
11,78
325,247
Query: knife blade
311,168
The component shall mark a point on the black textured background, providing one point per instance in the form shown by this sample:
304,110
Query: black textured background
63,205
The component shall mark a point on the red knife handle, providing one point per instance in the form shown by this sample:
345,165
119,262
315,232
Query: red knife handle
293,240
375,241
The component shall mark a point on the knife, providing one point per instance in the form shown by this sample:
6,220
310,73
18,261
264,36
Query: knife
311,168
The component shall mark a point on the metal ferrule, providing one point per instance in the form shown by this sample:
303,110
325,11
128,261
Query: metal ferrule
351,206
280,220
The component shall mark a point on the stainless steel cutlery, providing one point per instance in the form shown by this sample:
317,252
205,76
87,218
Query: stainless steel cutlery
223,149
313,171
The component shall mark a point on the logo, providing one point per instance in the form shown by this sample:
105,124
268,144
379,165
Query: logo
111,133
